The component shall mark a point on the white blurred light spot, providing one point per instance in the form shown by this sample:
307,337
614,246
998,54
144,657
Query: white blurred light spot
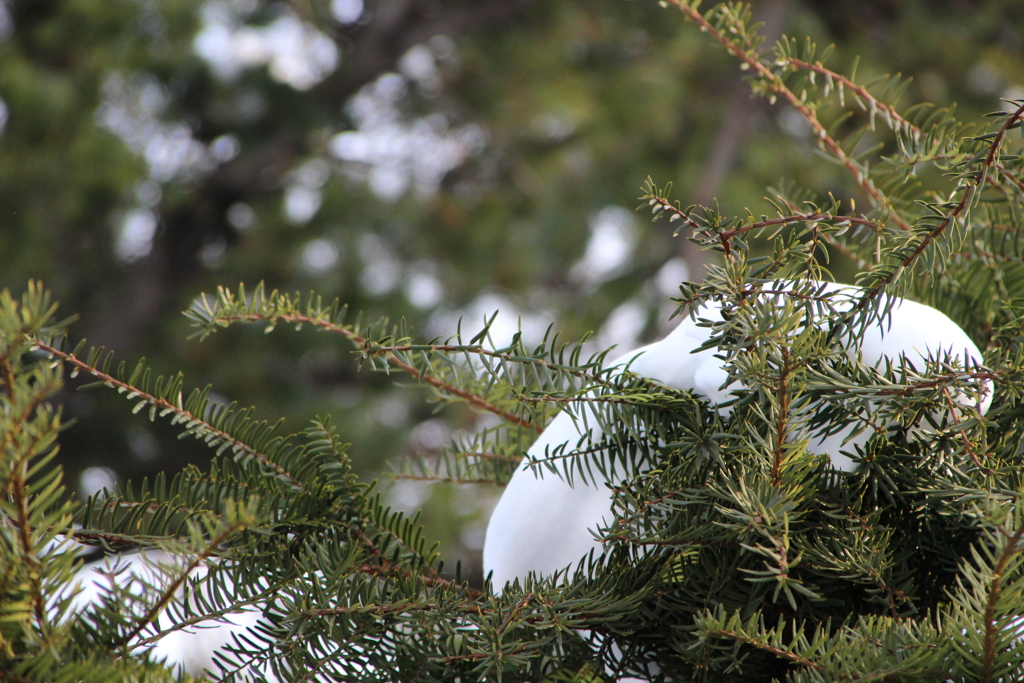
225,148
408,496
430,435
423,290
313,173
144,446
92,480
212,254
389,181
319,256
392,410
148,193
394,153
983,79
132,108
419,66
612,239
295,52
472,536
301,203
134,239
241,217
346,11
381,269
6,22
671,275
554,128
623,326
5,115
793,122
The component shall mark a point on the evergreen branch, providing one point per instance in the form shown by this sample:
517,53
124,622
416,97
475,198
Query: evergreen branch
16,490
120,541
168,593
818,216
14,678
440,480
968,191
35,401
781,653
889,112
750,60
782,396
236,607
600,400
378,350
662,203
388,570
981,254
165,406
954,410
492,456
17,484
8,377
396,608
1012,547
386,565
838,244
390,356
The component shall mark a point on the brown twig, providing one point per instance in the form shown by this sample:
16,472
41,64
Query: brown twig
775,84
392,359
162,404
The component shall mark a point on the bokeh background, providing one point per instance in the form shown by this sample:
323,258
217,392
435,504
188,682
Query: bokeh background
425,160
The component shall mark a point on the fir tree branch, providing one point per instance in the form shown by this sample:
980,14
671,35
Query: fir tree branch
889,112
441,480
782,421
163,405
1012,547
169,592
8,377
388,570
14,678
662,203
397,608
968,191
954,411
390,356
16,486
16,490
750,60
787,655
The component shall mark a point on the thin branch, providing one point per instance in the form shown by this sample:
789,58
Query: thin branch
998,574
441,480
889,111
787,655
775,83
979,180
169,592
162,404
782,395
392,359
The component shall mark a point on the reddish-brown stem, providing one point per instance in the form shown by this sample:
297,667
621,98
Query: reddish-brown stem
161,404
752,61
393,360
169,592
998,575
782,423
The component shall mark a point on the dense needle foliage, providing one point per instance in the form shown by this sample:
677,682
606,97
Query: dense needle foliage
736,555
